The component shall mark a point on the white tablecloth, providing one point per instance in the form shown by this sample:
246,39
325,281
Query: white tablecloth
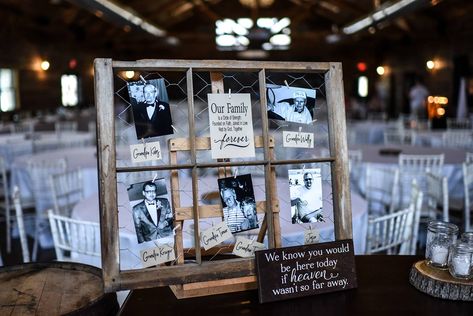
83,158
452,168
292,234
14,145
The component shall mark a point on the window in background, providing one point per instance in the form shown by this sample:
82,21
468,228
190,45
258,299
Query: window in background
69,90
8,89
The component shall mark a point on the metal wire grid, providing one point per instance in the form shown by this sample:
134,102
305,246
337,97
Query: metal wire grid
207,184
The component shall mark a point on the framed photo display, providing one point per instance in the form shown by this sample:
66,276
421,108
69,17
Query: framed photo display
188,205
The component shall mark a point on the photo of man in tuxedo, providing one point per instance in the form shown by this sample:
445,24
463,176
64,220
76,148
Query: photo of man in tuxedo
152,216
151,113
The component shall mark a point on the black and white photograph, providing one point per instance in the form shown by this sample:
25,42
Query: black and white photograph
290,104
150,106
238,202
152,214
305,189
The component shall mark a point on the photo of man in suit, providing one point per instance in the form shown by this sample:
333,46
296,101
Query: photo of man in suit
152,216
151,112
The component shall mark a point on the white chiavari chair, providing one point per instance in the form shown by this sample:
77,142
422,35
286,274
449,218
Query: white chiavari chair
21,225
68,190
399,137
381,187
458,139
5,205
72,236
416,167
436,197
388,232
453,123
468,191
39,172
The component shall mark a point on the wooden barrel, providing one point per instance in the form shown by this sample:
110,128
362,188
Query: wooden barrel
54,288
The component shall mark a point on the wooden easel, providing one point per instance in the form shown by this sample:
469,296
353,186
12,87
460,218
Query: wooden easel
209,211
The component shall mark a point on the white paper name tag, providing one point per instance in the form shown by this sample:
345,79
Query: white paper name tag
154,256
298,139
231,125
311,236
145,152
246,247
215,235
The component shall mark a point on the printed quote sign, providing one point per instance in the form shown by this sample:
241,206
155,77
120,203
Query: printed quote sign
298,139
231,126
145,152
215,235
154,256
291,272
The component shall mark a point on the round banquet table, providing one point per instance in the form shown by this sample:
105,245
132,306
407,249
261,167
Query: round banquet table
77,158
452,168
13,145
292,234
83,158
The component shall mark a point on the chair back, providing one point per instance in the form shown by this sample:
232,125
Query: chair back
65,126
454,123
458,139
399,137
387,233
469,157
354,166
21,225
415,167
409,247
381,187
5,194
39,172
74,236
468,192
23,127
436,197
67,189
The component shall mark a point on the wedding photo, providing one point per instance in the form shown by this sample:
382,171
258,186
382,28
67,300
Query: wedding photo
152,213
150,108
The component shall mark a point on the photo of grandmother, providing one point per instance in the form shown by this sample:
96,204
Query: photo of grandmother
238,203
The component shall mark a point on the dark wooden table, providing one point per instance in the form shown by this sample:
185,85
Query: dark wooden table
383,289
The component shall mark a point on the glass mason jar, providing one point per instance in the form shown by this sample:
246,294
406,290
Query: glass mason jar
467,238
440,236
460,260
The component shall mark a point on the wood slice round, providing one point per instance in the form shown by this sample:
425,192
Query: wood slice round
440,283
55,288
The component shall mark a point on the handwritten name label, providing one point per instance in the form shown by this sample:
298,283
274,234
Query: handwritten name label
154,256
145,152
298,139
215,235
231,126
311,236
305,270
245,247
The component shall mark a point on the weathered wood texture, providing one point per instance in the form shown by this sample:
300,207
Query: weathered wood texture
106,156
54,289
338,147
439,283
204,271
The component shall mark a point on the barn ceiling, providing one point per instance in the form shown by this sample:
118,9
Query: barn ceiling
186,28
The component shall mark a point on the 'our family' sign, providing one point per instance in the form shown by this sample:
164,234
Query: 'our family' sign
305,270
231,126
